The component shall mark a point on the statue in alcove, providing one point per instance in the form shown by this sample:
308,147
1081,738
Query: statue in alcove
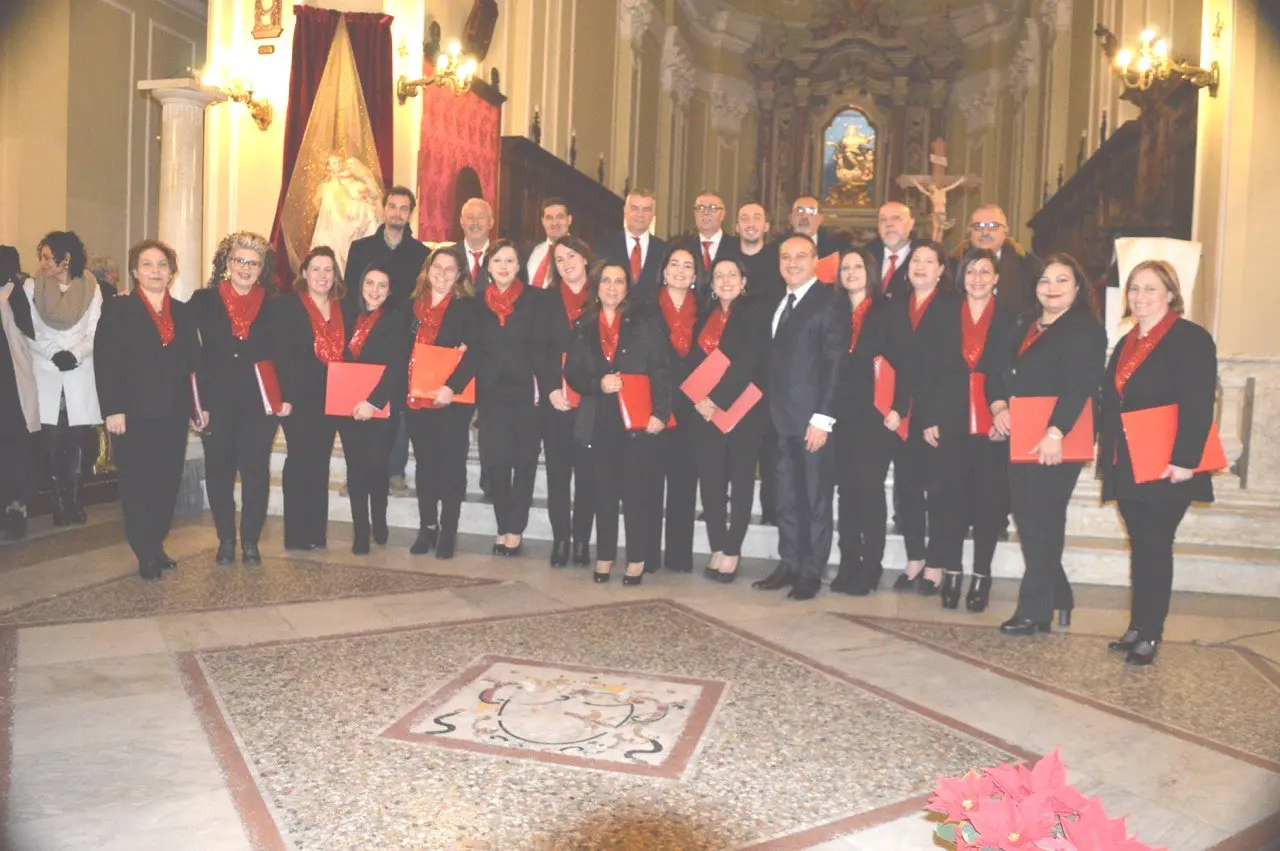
849,171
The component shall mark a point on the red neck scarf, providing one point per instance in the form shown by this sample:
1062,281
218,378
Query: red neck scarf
241,309
609,335
331,335
679,320
573,302
1033,334
163,319
973,335
917,311
430,318
503,303
859,316
1136,348
713,329
361,335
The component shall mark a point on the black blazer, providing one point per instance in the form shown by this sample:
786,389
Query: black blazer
803,365
740,343
302,375
508,369
1181,370
943,306
388,344
227,379
680,366
554,341
404,262
943,397
882,335
1067,361
461,326
642,350
136,375
899,284
616,248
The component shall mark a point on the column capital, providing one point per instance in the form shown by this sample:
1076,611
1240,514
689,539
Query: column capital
182,90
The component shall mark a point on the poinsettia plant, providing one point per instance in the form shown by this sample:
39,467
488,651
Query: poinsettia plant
1014,808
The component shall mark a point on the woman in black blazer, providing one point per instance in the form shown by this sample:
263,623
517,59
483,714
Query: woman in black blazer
615,337
970,472
1059,350
508,392
233,316
376,334
1164,360
675,479
447,314
726,463
864,446
567,463
311,334
147,352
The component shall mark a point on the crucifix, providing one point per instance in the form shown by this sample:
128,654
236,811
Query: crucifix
936,184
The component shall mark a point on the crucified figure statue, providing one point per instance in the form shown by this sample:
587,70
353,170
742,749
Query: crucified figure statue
938,201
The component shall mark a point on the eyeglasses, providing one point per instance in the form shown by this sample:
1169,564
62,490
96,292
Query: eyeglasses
981,226
805,211
246,263
708,208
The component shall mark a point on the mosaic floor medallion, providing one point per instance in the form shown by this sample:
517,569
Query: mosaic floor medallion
588,717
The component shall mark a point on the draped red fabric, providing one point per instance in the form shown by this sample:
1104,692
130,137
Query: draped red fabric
457,131
370,34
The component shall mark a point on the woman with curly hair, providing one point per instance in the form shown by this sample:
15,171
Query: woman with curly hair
235,333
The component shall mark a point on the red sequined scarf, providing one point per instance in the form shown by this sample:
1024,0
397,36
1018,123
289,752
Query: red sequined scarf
330,335
241,309
713,329
609,335
1033,334
1135,349
430,318
503,303
163,318
917,311
361,335
679,320
973,335
858,316
573,302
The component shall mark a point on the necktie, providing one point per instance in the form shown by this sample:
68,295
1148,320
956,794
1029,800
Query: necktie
475,265
636,264
706,254
888,273
540,276
786,312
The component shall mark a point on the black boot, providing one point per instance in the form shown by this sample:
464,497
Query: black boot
73,455
426,541
979,593
444,545
360,524
952,583
249,555
226,552
560,553
54,438
378,518
846,577
582,552
867,580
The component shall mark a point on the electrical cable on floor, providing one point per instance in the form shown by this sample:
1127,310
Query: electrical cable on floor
1230,643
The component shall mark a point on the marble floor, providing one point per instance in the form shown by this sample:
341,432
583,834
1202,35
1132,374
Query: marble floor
333,701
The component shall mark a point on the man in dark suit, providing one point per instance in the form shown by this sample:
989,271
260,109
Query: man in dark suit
634,245
1019,269
709,242
892,247
804,345
806,218
556,221
393,245
477,222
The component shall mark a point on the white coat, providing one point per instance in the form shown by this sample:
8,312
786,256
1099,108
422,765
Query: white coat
22,369
78,384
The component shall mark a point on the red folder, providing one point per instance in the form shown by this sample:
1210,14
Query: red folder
635,400
726,420
886,380
570,395
197,408
1150,435
268,386
829,268
348,384
1029,417
704,379
980,421
429,370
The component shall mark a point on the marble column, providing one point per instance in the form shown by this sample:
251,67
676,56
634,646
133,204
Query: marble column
183,101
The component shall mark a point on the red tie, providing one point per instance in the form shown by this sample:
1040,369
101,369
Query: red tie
706,254
636,265
475,264
540,276
888,275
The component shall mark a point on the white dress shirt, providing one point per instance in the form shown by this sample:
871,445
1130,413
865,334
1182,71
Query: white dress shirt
822,422
644,246
471,252
714,239
535,260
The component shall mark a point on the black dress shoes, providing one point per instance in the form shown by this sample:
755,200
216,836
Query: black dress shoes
867,580
150,569
560,553
780,578
168,563
1023,626
425,542
249,555
952,582
844,580
979,593
582,552
1143,653
226,552
803,592
380,533
360,546
445,542
1126,642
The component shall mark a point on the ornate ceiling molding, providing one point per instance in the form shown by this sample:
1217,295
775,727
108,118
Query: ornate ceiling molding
731,100
1024,69
976,97
635,17
678,73
719,26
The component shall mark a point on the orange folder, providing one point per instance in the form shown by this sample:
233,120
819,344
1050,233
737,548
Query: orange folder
886,381
570,395
829,268
429,370
635,400
348,384
704,379
1150,435
1028,419
726,420
979,408
268,386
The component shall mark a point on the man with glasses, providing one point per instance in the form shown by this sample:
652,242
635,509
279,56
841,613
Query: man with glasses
708,243
1019,269
634,246
891,248
556,221
392,244
806,218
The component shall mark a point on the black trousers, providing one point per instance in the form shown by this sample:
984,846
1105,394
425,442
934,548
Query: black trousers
1151,526
806,487
366,446
238,442
728,461
983,498
863,450
309,438
768,466
673,485
441,439
621,465
149,457
509,438
917,472
15,467
1040,495
568,465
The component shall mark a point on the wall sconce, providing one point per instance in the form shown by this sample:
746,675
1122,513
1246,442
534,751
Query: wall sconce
1152,62
260,110
453,71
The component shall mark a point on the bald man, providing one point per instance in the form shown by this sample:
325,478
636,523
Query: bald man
891,248
1019,269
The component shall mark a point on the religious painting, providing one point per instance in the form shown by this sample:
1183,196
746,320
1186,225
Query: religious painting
849,160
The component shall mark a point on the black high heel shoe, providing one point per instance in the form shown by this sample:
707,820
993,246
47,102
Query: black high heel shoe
952,583
979,593
1126,642
633,579
1143,652
731,575
906,583
560,553
926,587
601,576
1064,618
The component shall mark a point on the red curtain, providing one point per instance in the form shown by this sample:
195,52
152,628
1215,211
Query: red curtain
457,131
313,32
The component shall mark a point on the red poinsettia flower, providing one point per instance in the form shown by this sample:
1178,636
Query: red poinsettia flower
1006,824
1049,775
1010,779
956,797
1093,830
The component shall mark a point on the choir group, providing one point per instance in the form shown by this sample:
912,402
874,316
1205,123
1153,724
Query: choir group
648,374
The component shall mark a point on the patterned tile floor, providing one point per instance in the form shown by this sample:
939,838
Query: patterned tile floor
296,706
